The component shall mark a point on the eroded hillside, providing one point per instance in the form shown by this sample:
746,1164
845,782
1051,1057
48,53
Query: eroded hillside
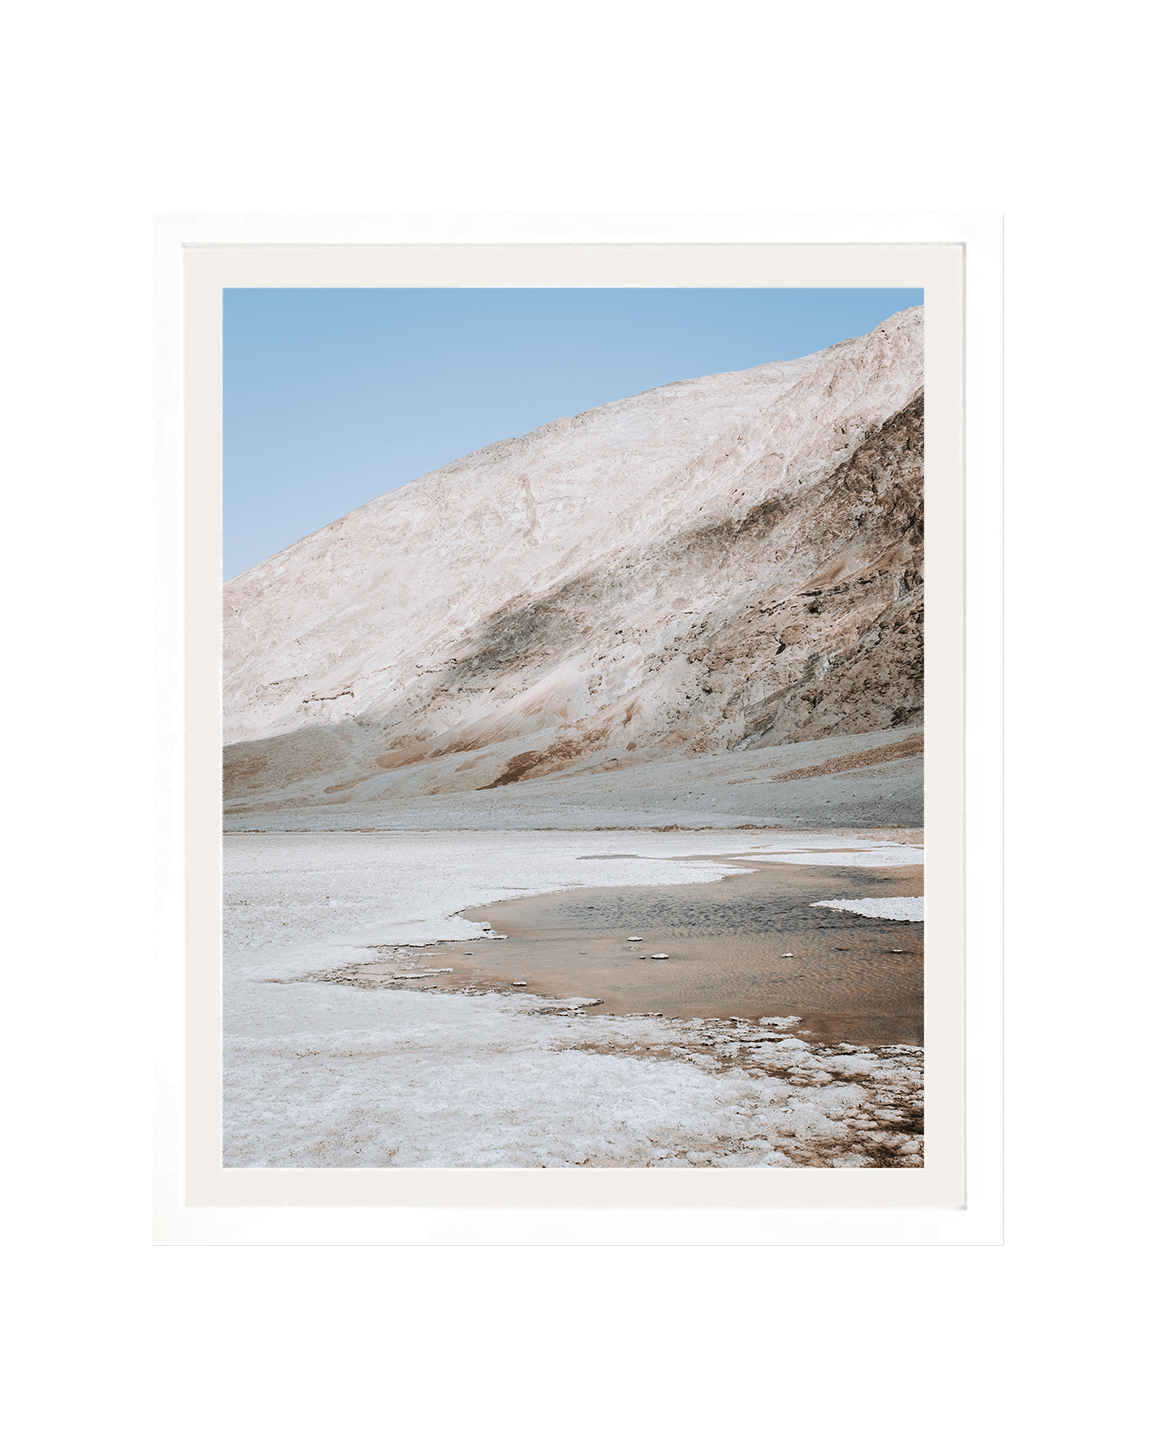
724,564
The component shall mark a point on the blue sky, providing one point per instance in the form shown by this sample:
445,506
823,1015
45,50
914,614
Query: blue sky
335,396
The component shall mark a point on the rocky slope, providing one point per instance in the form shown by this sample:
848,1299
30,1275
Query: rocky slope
716,565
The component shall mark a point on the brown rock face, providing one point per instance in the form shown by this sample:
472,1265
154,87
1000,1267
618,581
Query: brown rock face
726,564
859,627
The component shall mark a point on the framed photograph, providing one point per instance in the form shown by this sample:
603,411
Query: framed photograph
575,826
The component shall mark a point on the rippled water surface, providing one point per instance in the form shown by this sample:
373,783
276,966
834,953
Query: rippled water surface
851,979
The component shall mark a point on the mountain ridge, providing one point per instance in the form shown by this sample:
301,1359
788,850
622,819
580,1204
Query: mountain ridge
718,564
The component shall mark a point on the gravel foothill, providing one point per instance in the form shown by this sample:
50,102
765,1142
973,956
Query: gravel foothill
727,791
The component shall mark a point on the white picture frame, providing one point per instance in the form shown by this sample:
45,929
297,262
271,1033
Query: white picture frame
957,1197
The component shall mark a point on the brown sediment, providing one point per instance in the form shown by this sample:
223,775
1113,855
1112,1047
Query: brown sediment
910,747
851,979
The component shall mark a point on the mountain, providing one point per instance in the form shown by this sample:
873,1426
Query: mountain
718,565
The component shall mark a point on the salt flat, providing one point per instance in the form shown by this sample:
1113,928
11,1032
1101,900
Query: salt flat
317,1073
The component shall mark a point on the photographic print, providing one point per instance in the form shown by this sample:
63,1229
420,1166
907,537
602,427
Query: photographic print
573,710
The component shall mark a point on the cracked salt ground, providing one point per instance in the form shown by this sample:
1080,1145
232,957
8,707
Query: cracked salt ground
408,1081
416,1066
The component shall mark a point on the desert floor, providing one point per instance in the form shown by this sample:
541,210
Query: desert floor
490,998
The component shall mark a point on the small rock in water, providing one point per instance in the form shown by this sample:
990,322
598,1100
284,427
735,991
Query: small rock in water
660,955
519,983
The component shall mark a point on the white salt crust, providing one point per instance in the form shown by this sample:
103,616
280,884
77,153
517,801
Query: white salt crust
320,1074
902,910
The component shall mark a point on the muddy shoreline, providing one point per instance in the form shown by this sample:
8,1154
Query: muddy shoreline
432,1056
748,946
